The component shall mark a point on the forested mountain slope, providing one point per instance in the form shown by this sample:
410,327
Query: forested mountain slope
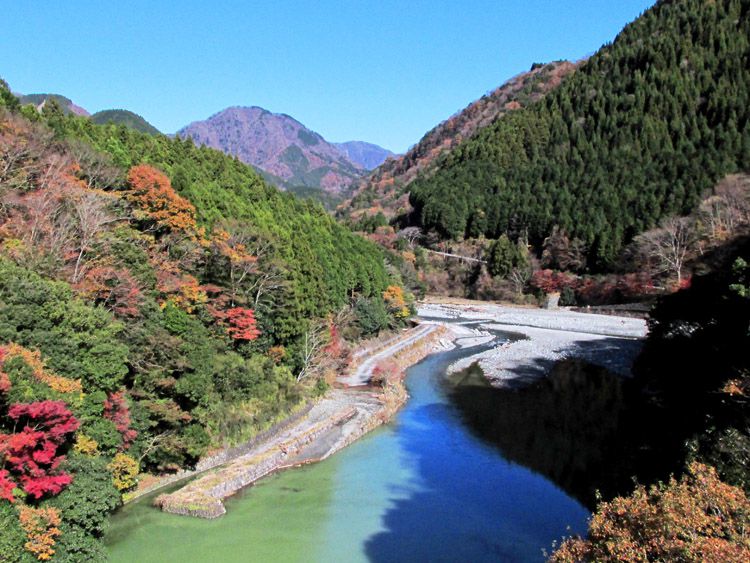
156,300
317,252
65,103
637,133
385,188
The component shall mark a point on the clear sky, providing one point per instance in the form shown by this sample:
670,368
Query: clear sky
380,71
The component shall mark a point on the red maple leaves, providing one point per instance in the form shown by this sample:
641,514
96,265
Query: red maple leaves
116,409
242,324
31,455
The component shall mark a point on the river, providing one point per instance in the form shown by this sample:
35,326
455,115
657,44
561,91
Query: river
434,485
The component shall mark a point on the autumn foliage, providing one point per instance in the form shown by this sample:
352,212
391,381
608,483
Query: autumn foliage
33,359
116,409
31,454
152,193
395,301
183,290
696,518
42,527
5,383
114,288
124,471
241,324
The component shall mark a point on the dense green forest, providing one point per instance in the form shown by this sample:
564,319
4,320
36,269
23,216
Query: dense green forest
156,300
637,133
386,188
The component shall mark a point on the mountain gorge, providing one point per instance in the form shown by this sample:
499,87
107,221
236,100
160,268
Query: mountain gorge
173,302
290,154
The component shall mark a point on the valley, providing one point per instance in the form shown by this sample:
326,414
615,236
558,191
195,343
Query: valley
520,337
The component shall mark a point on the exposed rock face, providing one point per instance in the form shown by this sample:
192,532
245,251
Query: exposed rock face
276,144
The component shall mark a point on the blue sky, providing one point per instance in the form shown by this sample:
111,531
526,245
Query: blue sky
384,72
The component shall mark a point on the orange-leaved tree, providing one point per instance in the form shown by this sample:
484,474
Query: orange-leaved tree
242,324
42,527
695,518
151,192
395,301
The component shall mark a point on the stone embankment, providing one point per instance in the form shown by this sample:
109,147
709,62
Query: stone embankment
338,419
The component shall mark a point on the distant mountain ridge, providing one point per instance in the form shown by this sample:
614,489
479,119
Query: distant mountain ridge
117,116
367,155
278,145
65,103
124,117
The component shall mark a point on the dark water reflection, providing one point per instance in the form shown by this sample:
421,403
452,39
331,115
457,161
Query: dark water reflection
589,431
470,501
564,427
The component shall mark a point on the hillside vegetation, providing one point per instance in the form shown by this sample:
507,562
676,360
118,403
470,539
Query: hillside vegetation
385,189
637,133
156,300
64,102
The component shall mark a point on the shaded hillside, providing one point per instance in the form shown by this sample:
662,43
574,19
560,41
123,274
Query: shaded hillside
277,144
66,104
385,189
124,117
636,134
366,155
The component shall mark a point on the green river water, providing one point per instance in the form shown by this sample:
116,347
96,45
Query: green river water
427,487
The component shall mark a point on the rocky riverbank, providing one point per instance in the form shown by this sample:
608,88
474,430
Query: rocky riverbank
542,338
339,418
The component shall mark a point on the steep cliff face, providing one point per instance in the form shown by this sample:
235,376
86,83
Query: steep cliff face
277,144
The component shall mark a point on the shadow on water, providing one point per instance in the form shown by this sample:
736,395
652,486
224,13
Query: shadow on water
471,502
587,429
564,427
583,428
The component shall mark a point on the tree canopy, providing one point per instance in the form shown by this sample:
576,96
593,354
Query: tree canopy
637,133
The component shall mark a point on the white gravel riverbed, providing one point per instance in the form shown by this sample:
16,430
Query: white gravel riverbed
546,336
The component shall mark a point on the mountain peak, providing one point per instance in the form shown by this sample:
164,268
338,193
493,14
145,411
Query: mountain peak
279,145
367,155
